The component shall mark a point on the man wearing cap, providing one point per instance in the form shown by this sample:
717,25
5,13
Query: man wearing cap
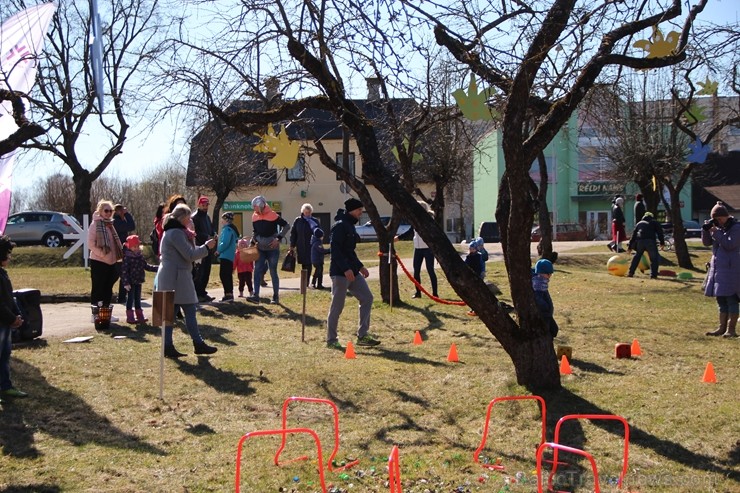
203,232
643,239
348,274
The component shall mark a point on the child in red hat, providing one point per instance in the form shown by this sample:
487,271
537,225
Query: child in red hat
133,276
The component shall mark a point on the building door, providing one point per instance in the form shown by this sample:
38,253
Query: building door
324,219
598,225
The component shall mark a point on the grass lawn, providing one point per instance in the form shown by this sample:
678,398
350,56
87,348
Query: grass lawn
94,421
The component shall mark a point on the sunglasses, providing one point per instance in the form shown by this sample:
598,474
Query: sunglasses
107,210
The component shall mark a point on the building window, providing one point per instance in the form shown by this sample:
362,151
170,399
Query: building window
297,172
453,224
734,130
339,162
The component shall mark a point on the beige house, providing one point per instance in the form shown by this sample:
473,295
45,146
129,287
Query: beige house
286,190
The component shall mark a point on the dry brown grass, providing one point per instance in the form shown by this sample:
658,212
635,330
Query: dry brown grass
94,421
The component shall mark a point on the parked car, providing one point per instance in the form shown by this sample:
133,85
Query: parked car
489,232
564,232
39,228
692,228
367,232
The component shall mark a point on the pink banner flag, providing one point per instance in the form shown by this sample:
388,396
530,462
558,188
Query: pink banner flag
21,39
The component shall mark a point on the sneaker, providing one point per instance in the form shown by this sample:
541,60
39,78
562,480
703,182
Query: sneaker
334,345
113,319
416,295
203,348
241,294
275,301
253,299
205,299
11,392
367,340
228,297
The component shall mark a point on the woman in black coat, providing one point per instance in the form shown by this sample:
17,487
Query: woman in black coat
300,237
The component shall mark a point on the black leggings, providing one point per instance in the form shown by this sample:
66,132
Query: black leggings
226,273
103,277
425,254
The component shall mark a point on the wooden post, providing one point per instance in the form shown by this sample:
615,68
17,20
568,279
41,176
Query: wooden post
304,282
163,313
390,272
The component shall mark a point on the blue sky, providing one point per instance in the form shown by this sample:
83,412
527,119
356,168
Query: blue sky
145,150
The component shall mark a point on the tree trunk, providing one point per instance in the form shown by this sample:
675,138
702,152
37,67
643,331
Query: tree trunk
544,248
679,233
385,271
83,188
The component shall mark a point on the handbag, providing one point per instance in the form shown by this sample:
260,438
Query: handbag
288,263
249,254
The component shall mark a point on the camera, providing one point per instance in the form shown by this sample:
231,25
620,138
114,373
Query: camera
708,224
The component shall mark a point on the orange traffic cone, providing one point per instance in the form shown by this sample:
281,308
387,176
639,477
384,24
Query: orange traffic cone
709,376
565,366
350,351
635,349
452,355
417,338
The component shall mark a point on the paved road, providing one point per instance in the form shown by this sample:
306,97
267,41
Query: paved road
66,320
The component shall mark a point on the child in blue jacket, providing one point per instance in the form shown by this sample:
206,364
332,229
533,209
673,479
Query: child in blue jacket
541,274
318,252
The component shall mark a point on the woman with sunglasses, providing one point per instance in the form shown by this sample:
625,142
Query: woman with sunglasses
105,252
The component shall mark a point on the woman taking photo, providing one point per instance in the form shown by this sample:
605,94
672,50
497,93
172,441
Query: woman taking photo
722,232
176,274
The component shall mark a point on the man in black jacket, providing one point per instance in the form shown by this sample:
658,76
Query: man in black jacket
9,319
203,232
646,233
348,274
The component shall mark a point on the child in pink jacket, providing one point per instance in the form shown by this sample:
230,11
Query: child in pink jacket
243,269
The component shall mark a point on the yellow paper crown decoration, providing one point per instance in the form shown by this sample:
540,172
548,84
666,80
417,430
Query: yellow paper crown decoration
414,159
708,87
285,152
657,46
473,104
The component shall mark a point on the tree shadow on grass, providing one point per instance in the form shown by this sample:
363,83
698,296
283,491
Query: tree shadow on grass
564,402
32,488
400,356
60,414
593,367
221,380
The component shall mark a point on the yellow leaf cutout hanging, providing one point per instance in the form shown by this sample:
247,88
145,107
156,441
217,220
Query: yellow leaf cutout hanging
708,87
655,184
695,114
414,159
473,104
657,46
285,152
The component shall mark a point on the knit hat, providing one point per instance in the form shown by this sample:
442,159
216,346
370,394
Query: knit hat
318,233
242,244
543,266
203,200
719,210
229,216
638,196
258,202
351,204
132,242
619,201
6,246
647,215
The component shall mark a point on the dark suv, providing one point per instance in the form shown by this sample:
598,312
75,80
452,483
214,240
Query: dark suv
489,232
39,228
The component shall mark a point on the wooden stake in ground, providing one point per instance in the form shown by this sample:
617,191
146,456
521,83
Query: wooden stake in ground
163,313
390,272
304,282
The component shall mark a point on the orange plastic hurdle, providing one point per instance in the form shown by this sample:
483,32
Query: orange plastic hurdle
593,417
556,447
394,471
330,461
282,432
498,467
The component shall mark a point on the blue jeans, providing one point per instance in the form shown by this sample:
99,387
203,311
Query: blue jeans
190,323
267,259
6,346
728,304
134,297
641,246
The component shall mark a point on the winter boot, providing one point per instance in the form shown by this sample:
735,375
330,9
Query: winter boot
140,318
731,325
130,317
723,317
203,348
171,352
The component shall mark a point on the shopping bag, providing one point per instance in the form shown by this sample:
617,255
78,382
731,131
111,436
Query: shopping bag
289,263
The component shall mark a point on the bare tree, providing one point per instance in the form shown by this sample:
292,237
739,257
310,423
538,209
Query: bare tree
554,53
26,131
64,100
